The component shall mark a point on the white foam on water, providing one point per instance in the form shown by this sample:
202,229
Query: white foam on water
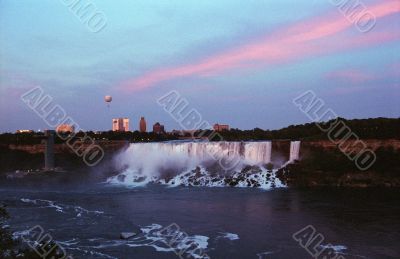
44,204
19,234
152,237
95,239
62,208
230,236
188,246
93,253
69,243
132,177
264,254
262,178
107,244
337,248
28,201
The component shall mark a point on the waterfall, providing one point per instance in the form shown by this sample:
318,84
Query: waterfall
257,152
194,153
241,164
294,151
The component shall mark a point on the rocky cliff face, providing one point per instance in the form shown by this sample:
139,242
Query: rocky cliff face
296,175
323,164
373,144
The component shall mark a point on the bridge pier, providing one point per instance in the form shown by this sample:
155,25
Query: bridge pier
49,150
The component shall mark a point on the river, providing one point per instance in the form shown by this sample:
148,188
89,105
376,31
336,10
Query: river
86,216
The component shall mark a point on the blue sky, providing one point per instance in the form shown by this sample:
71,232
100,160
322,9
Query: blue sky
236,62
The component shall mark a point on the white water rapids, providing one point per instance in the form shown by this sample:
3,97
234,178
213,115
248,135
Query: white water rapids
240,164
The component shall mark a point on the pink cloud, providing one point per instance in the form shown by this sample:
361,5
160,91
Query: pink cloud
353,76
299,40
341,90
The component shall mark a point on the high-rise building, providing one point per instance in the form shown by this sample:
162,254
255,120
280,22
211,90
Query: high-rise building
120,124
221,127
142,125
158,128
126,124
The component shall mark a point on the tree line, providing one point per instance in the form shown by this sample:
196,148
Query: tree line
376,128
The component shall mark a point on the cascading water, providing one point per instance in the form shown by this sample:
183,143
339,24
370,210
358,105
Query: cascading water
258,152
294,151
197,163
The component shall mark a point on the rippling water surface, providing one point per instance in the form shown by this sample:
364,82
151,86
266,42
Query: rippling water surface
87,216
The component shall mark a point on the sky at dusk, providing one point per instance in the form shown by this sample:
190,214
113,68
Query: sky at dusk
236,62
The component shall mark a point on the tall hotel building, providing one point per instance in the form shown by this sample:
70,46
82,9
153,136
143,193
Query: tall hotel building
120,124
142,125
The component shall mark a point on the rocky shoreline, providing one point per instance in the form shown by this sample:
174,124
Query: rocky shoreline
296,175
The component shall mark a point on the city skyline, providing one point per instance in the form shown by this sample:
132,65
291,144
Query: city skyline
234,63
